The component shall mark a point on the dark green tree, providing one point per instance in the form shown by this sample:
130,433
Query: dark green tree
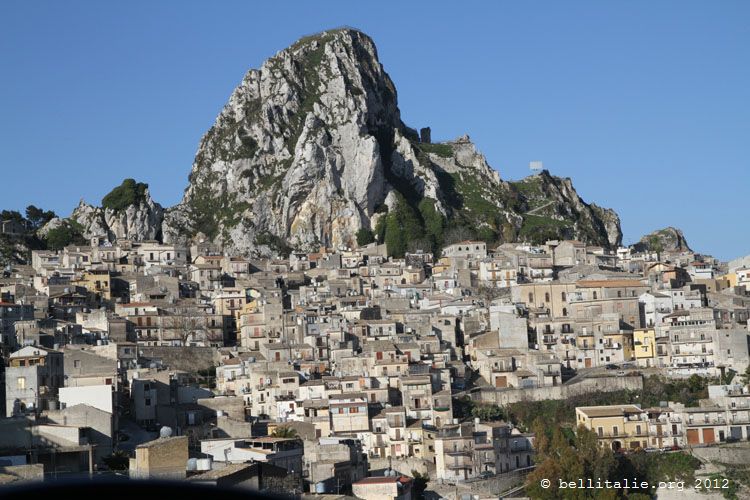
365,236
420,484
38,217
128,193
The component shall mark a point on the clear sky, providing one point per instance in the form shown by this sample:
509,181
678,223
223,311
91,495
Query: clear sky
644,104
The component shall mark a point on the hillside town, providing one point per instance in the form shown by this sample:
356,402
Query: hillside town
348,372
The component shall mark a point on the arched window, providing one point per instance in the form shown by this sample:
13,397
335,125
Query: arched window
546,296
565,311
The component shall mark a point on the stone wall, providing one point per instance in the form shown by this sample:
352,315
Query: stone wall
163,458
734,453
403,465
21,473
585,386
189,359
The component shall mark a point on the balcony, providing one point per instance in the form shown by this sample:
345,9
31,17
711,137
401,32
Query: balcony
460,466
459,453
549,340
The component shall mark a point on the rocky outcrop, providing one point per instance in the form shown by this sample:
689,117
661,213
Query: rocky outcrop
139,221
54,223
297,150
669,239
310,149
553,209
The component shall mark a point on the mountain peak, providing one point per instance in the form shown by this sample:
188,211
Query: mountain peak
310,150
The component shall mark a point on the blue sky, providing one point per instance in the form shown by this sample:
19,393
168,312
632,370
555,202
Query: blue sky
643,104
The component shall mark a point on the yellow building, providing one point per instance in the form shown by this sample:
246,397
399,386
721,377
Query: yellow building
644,345
97,282
731,278
619,427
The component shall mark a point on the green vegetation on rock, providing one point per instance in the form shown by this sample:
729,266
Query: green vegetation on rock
275,243
441,149
365,237
128,193
68,233
537,229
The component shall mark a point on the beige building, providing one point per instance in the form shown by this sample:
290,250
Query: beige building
383,487
163,458
349,413
618,427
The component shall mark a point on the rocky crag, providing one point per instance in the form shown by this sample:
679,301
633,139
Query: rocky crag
311,150
669,239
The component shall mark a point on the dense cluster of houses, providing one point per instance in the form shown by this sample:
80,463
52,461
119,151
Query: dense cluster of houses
721,418
312,371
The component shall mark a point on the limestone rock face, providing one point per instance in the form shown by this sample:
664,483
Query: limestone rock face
53,223
138,222
669,239
310,148
296,152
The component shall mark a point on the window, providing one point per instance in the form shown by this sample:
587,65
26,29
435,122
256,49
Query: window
21,383
595,296
77,363
546,297
563,296
148,401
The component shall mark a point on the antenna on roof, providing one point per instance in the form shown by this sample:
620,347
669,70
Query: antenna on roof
536,167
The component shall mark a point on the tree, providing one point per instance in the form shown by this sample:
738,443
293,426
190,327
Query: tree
434,223
117,461
67,233
454,234
402,225
38,217
745,377
420,484
188,325
560,458
285,431
487,412
13,215
365,236
126,194
655,245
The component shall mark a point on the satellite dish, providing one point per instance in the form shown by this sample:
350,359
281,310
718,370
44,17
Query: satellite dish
165,432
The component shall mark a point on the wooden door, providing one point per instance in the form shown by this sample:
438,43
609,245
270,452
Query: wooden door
693,437
709,436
